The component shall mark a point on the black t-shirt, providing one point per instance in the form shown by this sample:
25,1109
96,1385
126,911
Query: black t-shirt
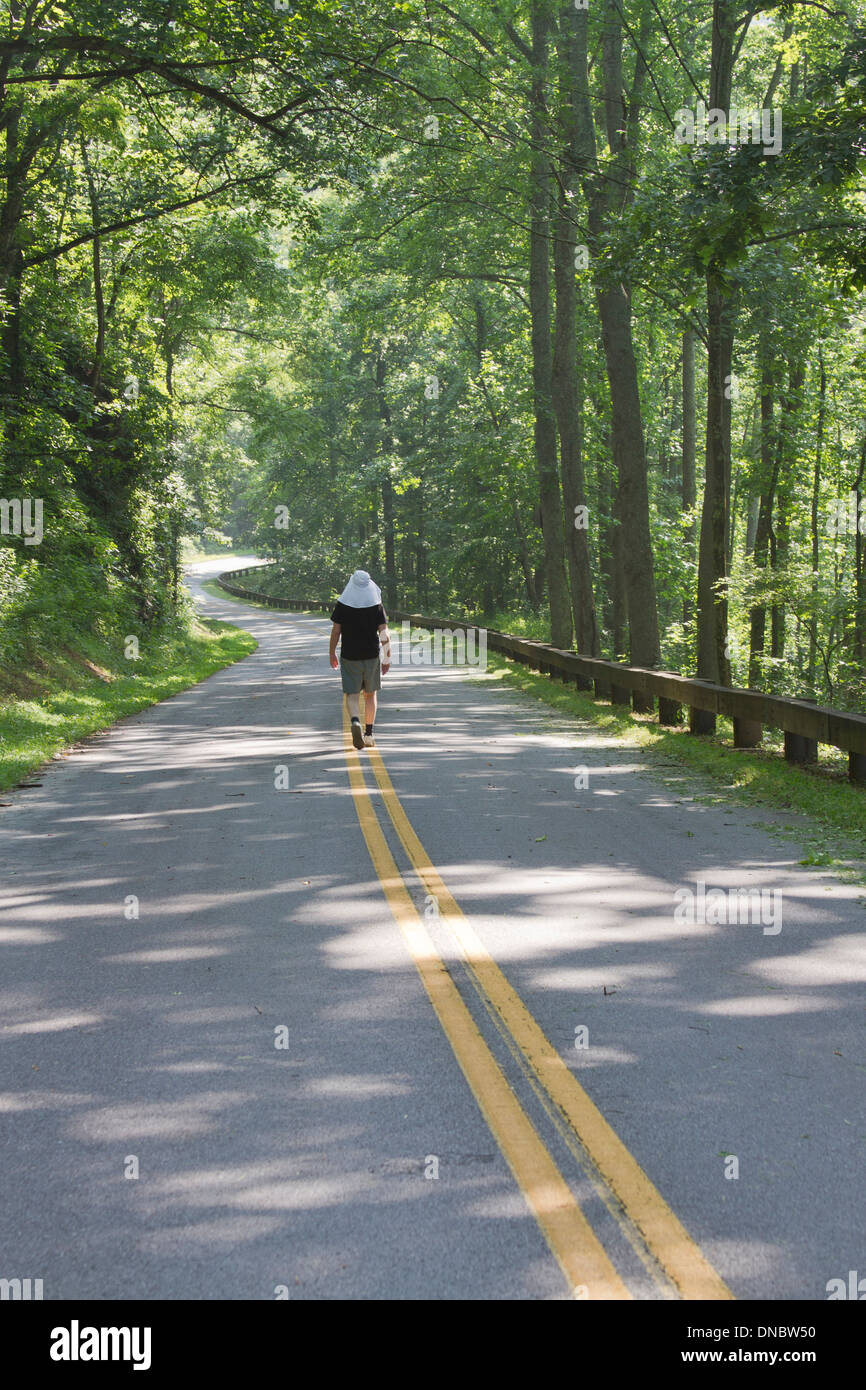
359,638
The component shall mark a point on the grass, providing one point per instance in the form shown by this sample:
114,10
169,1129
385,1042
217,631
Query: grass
192,551
84,690
211,587
830,812
534,627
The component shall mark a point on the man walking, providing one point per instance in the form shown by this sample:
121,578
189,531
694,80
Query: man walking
360,620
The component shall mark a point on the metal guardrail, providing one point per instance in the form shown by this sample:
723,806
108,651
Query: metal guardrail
803,723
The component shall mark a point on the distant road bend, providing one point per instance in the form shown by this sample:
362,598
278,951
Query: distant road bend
279,1018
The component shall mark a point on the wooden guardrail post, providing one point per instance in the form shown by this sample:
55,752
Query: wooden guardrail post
670,711
800,749
703,697
747,710
701,721
857,767
747,732
804,725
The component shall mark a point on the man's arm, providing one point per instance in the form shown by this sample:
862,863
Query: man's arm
385,639
335,637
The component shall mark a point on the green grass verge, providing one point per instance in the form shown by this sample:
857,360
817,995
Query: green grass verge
534,627
816,805
211,587
81,693
192,551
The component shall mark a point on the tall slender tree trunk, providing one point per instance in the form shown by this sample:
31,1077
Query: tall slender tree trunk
98,291
630,460
751,525
791,403
566,379
813,518
542,349
11,272
611,567
713,663
859,645
764,527
690,436
614,308
525,557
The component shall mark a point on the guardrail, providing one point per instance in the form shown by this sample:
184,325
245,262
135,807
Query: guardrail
804,723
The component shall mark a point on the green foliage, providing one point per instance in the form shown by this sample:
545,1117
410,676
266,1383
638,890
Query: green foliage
75,695
264,273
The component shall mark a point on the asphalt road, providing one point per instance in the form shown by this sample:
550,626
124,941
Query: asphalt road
355,1161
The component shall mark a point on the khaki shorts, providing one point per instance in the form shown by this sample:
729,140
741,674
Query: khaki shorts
360,675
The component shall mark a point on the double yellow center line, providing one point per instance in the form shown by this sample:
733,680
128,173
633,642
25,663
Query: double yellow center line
660,1239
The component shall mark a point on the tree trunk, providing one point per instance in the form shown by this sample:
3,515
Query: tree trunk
390,582
813,519
98,291
859,645
690,436
525,557
790,407
751,525
542,351
610,564
763,529
713,664
566,380
11,272
606,196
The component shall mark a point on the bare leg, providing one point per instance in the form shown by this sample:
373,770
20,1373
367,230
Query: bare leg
352,701
371,705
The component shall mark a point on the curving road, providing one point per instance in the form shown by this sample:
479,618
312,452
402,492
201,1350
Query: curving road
426,1025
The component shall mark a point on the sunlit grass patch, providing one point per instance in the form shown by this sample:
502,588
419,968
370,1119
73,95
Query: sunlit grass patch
77,702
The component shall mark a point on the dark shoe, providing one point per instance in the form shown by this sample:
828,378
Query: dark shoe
357,733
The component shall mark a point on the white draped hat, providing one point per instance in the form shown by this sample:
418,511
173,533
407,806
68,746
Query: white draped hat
361,592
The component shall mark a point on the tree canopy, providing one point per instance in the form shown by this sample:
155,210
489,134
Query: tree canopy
546,313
